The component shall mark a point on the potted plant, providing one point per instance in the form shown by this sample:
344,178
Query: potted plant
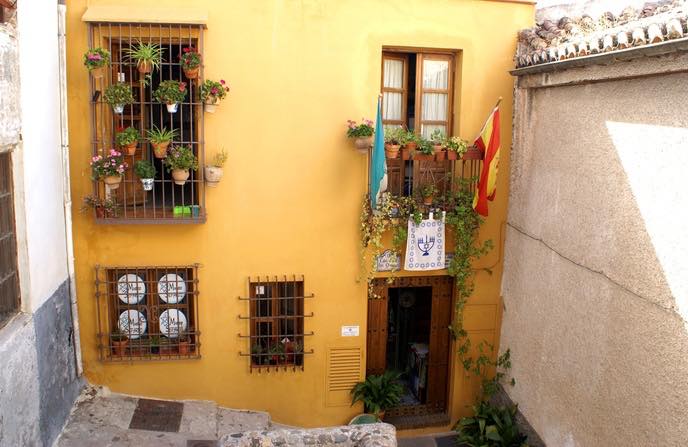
127,140
110,168
119,343
104,207
147,56
212,92
179,161
362,134
154,344
190,60
378,393
256,354
146,172
490,425
428,192
160,139
96,59
278,354
118,95
425,151
456,147
408,141
170,93
214,172
437,139
392,142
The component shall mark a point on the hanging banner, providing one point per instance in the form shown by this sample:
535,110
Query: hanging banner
425,245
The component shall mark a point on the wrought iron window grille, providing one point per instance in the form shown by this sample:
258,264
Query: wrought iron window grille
9,276
166,202
147,313
276,319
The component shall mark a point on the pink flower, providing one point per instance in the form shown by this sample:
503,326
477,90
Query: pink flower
213,91
222,81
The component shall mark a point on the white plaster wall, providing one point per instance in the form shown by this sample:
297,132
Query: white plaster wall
595,281
42,176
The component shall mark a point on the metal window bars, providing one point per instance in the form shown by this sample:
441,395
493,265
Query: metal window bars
9,279
147,313
276,323
166,202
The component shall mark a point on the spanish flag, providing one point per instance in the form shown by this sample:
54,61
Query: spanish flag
488,142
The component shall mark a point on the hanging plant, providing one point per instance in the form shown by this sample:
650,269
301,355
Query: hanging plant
190,59
213,92
118,95
96,59
170,93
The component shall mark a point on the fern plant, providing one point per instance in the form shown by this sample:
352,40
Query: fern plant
378,393
492,426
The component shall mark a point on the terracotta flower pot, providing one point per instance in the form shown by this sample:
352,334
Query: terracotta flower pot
112,181
160,149
437,148
144,67
192,73
423,157
213,175
130,148
441,155
363,144
172,108
180,176
119,348
428,200
392,150
451,155
184,347
405,153
381,415
98,72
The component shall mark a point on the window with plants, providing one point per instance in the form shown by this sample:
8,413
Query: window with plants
276,317
147,103
147,313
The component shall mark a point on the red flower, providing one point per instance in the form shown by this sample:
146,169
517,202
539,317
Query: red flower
222,81
187,49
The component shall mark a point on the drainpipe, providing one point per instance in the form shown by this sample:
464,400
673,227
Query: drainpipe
67,198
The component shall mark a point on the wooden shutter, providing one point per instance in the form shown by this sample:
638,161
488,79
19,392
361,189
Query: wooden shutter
438,358
376,352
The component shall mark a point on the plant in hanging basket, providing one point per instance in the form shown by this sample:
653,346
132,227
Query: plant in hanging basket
145,170
127,140
456,147
214,172
362,134
425,151
170,93
110,168
96,59
146,56
213,92
428,192
179,160
103,207
393,136
160,139
190,60
118,95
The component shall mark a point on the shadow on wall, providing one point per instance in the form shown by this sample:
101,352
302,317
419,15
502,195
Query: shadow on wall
596,264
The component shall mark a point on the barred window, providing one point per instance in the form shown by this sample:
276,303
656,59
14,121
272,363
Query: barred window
164,199
9,278
147,313
276,315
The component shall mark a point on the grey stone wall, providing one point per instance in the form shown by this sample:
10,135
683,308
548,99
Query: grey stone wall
595,281
367,435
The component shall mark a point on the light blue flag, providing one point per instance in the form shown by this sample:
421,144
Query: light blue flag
378,165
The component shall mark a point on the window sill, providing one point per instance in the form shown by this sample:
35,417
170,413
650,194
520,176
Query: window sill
151,221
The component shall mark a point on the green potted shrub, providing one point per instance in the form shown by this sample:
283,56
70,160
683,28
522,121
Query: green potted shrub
179,160
408,141
118,95
104,208
362,134
96,59
110,168
213,92
392,142
378,393
425,151
491,426
127,140
437,139
214,171
170,93
119,343
278,354
160,139
147,56
145,170
190,60
428,192
456,147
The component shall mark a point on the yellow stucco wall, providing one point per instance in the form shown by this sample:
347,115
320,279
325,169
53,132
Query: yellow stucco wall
293,184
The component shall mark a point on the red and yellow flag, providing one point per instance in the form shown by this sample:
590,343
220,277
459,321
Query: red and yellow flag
488,142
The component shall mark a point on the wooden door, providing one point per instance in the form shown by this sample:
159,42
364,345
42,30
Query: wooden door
376,343
438,357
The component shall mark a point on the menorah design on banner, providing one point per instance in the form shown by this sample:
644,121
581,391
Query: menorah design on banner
425,245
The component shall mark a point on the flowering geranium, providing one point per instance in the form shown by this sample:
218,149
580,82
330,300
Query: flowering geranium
112,164
170,92
213,91
190,58
365,129
181,157
96,58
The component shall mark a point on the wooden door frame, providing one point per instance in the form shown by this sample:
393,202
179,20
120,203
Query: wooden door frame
381,288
